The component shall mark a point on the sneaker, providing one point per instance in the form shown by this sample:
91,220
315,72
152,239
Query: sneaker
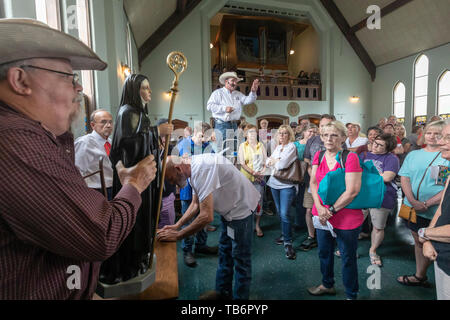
279,241
189,259
268,212
321,290
290,252
207,250
308,244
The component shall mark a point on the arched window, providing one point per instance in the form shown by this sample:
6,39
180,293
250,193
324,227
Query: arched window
399,101
420,87
444,95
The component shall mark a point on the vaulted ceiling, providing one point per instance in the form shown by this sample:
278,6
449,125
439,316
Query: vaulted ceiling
413,27
407,26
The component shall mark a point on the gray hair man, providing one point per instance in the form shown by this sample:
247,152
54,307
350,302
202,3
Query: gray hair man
51,221
217,186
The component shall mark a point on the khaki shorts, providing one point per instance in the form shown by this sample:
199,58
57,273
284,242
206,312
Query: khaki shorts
379,217
308,200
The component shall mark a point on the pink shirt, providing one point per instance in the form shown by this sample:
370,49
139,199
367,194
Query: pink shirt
345,219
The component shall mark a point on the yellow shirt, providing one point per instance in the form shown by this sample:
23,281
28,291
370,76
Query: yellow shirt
251,157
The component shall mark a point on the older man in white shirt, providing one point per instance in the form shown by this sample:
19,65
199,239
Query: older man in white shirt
354,141
217,186
226,103
91,147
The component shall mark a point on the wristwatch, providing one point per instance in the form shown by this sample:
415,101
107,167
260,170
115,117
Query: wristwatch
421,233
332,209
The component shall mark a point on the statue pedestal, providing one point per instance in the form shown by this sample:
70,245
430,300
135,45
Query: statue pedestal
130,287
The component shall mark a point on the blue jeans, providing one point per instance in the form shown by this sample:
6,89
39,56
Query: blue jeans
347,241
199,238
283,200
223,127
235,258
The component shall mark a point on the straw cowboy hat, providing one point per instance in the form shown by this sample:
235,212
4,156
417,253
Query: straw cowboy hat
224,76
22,39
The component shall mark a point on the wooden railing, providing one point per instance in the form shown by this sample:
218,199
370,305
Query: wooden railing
282,90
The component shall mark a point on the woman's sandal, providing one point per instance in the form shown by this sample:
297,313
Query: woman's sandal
375,260
421,282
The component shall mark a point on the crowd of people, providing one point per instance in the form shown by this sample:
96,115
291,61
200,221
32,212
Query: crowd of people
407,165
55,217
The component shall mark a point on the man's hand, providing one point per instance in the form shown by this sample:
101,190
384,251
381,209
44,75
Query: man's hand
229,110
168,233
138,176
429,251
165,129
255,85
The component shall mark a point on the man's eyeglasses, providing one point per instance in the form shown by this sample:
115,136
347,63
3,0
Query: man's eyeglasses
105,122
445,138
75,76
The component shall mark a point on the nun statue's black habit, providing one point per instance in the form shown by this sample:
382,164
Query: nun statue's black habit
134,139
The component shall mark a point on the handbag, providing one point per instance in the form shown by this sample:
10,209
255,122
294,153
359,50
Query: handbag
409,213
372,190
292,174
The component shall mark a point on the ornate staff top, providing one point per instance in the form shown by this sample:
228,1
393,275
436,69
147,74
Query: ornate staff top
177,62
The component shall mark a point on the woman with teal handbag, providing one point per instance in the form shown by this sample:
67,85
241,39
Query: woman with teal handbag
388,165
341,222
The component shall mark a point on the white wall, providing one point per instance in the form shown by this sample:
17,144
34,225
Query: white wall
403,70
111,45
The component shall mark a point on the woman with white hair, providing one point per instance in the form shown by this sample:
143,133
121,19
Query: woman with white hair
345,222
423,194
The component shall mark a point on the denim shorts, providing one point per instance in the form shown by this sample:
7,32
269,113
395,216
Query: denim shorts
421,223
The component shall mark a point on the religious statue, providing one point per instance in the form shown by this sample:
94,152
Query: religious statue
134,139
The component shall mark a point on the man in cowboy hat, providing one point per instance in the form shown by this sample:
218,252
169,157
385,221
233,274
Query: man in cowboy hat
226,103
54,229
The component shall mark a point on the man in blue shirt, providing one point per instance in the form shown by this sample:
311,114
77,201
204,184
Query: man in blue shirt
188,147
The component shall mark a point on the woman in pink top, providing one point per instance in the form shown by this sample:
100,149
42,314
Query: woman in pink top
346,223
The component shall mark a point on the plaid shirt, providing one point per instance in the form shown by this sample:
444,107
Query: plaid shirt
50,220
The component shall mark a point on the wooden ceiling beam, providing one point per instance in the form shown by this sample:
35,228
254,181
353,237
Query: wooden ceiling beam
184,7
384,12
343,25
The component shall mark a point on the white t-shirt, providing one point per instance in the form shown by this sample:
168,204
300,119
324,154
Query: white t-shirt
88,150
360,141
234,195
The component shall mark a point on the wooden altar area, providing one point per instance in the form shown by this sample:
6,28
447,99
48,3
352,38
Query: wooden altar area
165,286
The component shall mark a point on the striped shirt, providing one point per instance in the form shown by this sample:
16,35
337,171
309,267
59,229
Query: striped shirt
54,230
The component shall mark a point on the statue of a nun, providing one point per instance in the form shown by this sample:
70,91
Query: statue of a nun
134,139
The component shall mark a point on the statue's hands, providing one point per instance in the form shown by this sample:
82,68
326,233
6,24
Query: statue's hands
165,129
139,176
168,233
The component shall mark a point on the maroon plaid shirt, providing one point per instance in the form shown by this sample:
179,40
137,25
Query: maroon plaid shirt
49,219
